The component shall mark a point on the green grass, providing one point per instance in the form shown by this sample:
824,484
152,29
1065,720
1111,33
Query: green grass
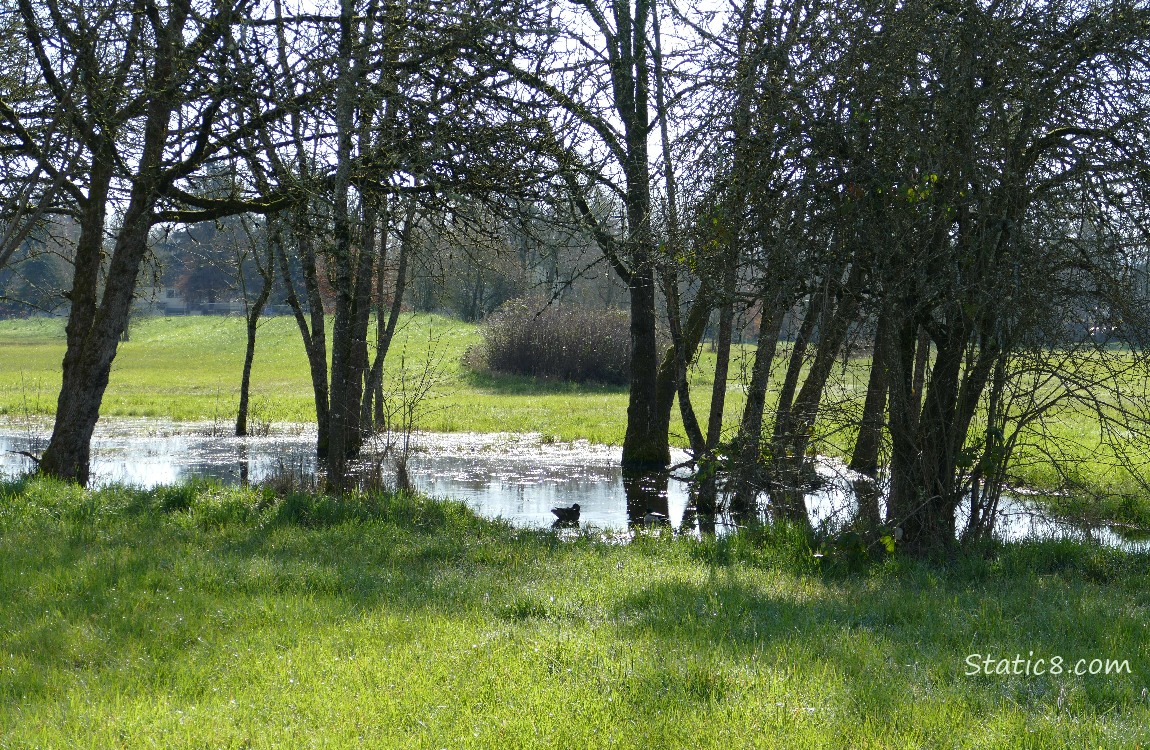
188,369
197,616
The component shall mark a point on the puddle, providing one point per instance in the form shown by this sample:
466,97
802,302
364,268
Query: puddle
517,477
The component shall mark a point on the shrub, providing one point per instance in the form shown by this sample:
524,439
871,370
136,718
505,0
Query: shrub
561,342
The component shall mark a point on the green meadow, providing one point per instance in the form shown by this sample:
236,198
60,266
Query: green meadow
206,617
188,369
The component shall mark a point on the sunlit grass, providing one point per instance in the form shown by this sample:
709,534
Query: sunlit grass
199,616
189,369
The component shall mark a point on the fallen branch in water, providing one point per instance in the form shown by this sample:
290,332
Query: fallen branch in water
35,459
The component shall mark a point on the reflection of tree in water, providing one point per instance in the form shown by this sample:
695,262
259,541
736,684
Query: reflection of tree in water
646,493
710,506
694,516
867,494
245,463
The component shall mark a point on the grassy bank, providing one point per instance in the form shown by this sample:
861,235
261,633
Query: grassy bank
205,617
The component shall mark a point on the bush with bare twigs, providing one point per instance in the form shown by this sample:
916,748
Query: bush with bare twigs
559,342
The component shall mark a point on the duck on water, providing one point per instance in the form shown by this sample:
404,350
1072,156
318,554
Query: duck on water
566,516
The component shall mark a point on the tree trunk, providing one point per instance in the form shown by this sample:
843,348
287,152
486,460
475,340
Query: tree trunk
93,332
751,426
795,365
796,421
341,337
904,409
314,335
750,41
923,500
646,444
85,375
722,359
864,459
707,489
385,333
361,319
68,453
692,335
679,349
684,347
253,318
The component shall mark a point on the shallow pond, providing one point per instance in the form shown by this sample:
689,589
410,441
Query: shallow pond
518,477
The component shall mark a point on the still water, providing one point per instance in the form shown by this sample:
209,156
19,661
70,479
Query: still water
517,477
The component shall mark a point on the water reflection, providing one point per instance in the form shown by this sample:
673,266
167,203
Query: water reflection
696,520
868,499
515,477
647,496
519,478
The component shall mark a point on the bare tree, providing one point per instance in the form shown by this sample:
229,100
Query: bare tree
153,94
265,240
422,114
600,90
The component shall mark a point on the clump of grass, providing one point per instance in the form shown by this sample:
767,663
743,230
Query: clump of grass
291,478
560,342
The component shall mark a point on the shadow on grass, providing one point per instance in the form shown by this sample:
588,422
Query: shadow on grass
519,385
91,582
918,624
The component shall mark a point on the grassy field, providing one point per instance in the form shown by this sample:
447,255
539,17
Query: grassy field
197,616
189,369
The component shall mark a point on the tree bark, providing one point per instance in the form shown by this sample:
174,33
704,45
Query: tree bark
751,426
864,458
253,318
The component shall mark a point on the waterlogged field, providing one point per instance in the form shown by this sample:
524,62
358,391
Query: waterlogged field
189,369
199,616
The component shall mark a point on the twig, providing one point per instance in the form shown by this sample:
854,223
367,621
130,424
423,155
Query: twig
35,459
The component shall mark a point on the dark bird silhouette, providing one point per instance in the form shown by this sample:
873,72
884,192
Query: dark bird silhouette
567,515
